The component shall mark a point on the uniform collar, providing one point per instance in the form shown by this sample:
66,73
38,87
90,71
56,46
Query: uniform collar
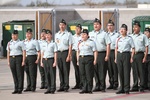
63,32
98,31
77,35
112,33
27,39
50,42
138,33
16,40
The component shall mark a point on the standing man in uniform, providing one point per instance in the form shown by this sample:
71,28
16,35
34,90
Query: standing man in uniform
147,64
48,61
41,69
16,61
112,67
87,57
141,51
103,42
76,40
124,58
32,59
64,43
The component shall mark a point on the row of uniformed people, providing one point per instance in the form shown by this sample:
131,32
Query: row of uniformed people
103,41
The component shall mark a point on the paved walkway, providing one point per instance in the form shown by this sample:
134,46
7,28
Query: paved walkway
6,87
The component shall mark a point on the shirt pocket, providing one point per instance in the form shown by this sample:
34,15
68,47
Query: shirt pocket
66,41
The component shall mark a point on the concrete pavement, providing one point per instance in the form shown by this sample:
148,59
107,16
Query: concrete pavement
6,87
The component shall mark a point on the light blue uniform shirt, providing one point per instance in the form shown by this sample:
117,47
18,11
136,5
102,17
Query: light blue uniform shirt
63,40
124,44
140,41
113,36
76,40
41,42
87,47
101,39
149,46
32,47
49,49
15,47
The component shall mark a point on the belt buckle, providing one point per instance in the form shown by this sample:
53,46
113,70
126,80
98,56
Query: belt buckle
82,56
13,56
45,58
136,52
120,51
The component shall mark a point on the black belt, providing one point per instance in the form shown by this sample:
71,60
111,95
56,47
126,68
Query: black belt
16,56
139,52
62,50
124,52
73,50
48,58
31,55
101,51
112,50
86,56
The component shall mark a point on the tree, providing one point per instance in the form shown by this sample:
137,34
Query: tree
90,3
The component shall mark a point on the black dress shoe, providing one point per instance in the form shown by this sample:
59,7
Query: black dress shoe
60,90
110,87
19,92
90,92
42,87
103,90
27,90
66,90
47,92
115,87
15,92
141,90
120,92
82,92
96,90
134,90
127,92
76,87
52,92
33,90
45,87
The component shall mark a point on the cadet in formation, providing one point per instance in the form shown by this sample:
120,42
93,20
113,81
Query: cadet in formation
76,40
147,64
41,69
141,51
87,58
16,61
48,61
124,58
103,42
32,59
64,43
112,67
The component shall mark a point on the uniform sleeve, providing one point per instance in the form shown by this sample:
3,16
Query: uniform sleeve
7,48
70,39
93,46
146,43
107,39
116,43
37,46
23,46
55,47
132,43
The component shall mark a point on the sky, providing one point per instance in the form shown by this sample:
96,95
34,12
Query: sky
60,2
63,2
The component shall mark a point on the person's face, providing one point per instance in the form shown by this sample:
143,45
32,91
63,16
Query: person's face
48,37
14,36
136,29
43,36
147,33
78,30
84,36
28,35
110,27
123,31
97,26
62,26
